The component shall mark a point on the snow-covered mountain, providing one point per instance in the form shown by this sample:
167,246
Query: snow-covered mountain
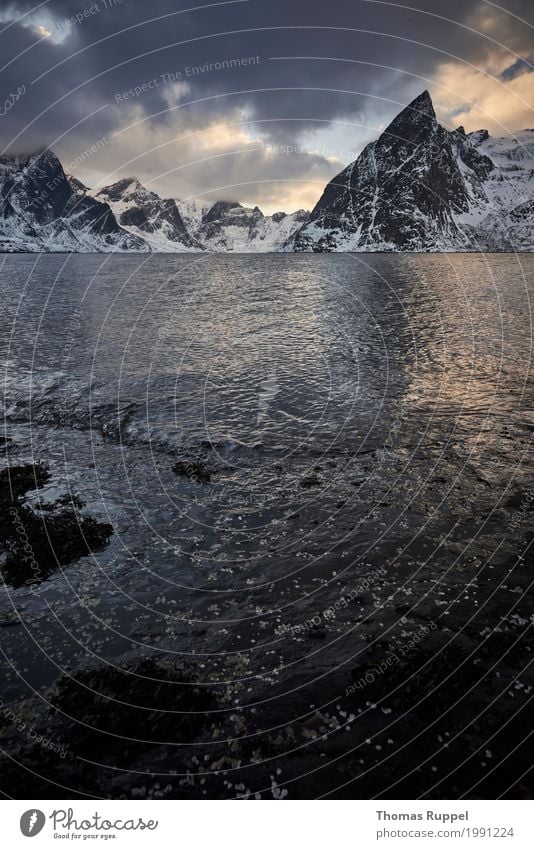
147,216
420,187
229,226
41,211
170,225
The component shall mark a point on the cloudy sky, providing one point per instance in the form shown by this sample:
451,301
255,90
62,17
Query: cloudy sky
257,100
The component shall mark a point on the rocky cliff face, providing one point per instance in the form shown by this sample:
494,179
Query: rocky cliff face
420,187
147,216
169,225
41,211
229,226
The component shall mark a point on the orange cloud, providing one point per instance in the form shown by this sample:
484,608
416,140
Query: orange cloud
500,106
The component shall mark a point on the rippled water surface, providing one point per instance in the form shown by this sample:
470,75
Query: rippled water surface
353,436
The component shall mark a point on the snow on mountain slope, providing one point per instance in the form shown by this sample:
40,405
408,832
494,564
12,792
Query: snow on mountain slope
169,225
192,212
229,226
40,211
420,187
144,214
507,221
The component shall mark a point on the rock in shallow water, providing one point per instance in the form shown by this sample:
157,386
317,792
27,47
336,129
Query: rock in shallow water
35,543
193,470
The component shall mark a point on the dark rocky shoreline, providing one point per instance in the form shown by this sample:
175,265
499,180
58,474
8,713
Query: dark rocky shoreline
36,542
438,709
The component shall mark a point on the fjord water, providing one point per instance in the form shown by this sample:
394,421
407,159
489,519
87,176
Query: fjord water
365,423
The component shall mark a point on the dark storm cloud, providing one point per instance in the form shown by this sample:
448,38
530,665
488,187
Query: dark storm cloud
368,58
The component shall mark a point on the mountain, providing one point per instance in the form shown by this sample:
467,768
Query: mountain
418,187
509,187
169,225
41,211
229,226
145,215
421,187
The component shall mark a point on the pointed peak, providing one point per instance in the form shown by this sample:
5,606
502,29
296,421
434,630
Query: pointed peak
129,182
423,103
45,155
76,185
415,119
42,158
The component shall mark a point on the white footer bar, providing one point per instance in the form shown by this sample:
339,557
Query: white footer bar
253,825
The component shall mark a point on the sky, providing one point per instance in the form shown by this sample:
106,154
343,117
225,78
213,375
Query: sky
261,101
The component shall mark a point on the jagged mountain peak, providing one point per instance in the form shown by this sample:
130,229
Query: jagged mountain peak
478,136
122,188
227,225
44,154
76,185
43,210
421,187
47,155
417,187
129,183
423,103
416,119
148,216
221,208
43,159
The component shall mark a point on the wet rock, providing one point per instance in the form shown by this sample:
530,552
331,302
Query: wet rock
316,632
15,481
141,704
133,717
309,481
34,544
6,445
195,471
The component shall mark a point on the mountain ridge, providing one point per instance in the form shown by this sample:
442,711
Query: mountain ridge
417,187
40,211
420,187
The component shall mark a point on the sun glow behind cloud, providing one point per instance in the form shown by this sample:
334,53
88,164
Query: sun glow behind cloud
222,160
42,30
40,22
500,106
495,92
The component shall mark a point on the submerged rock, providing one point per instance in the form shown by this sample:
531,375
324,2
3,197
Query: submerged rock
194,470
309,481
35,543
146,702
143,714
